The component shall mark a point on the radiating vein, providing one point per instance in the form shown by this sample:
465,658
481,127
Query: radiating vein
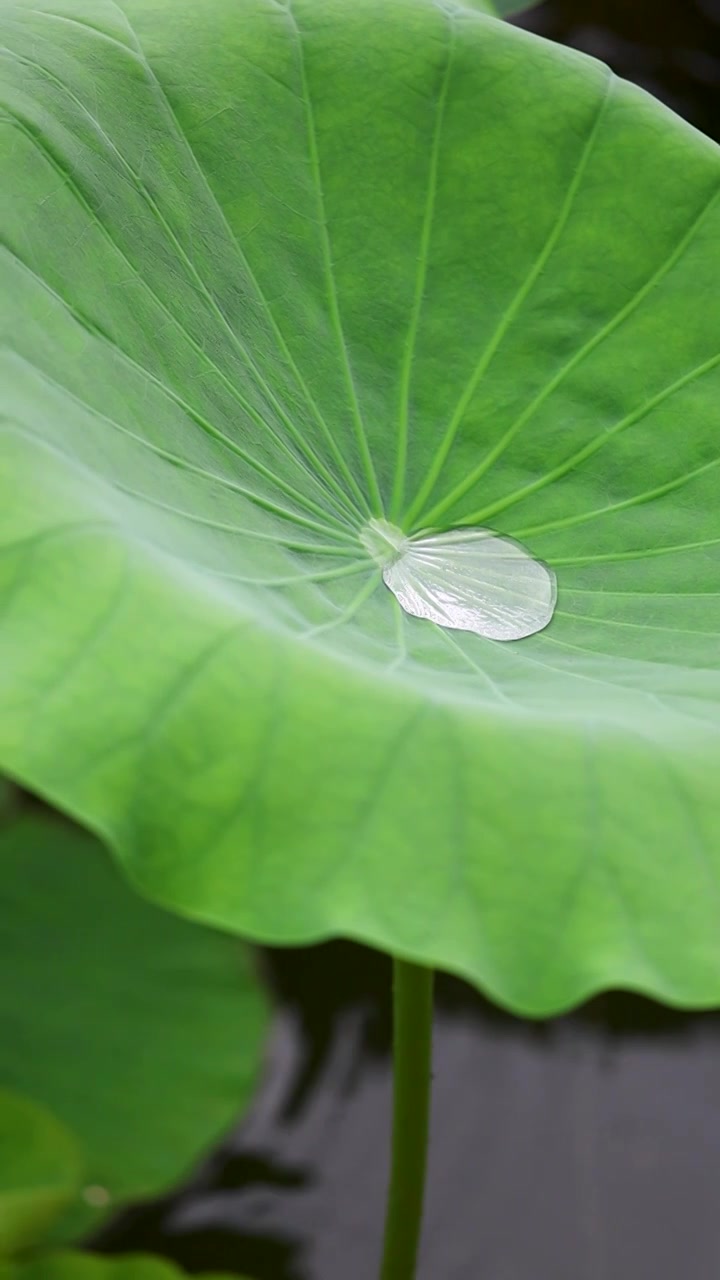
635,626
349,612
641,595
252,535
296,434
47,534
581,354
77,22
72,460
26,547
400,623
637,499
478,670
594,446
242,254
49,690
332,296
169,392
226,441
503,328
564,671
286,580
638,553
398,492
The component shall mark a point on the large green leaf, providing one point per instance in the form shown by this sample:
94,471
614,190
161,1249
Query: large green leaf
271,268
84,1266
40,1171
141,1032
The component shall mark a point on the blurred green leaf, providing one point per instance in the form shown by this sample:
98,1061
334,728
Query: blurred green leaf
40,1170
68,1265
501,8
140,1031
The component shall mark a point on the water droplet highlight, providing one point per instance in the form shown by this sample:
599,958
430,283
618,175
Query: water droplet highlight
467,580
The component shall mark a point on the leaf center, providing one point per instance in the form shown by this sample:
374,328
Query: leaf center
384,542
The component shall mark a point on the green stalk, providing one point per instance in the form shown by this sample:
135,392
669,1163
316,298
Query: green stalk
412,1048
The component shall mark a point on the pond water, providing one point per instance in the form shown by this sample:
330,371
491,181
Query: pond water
583,1148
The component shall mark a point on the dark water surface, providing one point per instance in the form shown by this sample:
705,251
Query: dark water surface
585,1148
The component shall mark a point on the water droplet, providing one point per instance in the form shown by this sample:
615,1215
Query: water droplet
468,580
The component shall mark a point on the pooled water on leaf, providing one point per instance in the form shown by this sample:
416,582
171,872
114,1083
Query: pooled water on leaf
468,579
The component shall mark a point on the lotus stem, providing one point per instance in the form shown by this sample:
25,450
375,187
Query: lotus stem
412,1054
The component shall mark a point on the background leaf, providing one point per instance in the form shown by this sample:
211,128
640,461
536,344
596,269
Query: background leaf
271,271
7,798
40,1171
83,1266
139,1031
501,8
